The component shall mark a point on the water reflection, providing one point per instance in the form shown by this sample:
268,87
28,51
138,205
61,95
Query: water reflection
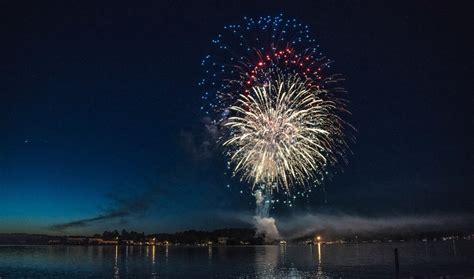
319,253
116,267
454,248
153,254
209,253
435,259
153,261
283,253
266,258
320,268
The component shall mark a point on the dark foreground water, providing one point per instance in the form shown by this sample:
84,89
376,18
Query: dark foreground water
372,260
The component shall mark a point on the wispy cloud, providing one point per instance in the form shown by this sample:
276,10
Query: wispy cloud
121,207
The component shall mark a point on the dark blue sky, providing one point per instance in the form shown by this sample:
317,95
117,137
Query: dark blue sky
99,112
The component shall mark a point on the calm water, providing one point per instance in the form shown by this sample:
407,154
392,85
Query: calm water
294,261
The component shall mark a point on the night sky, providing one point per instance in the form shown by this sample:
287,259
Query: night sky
100,126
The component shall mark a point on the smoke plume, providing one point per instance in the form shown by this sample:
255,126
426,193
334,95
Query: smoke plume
267,227
340,224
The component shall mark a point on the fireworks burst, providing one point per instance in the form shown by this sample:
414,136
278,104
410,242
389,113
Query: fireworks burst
278,107
278,133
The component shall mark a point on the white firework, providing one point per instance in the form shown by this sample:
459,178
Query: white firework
285,132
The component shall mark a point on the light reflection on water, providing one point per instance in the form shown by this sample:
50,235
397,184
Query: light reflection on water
279,261
116,268
320,268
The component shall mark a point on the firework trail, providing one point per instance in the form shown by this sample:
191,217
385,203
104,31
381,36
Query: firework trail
279,109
